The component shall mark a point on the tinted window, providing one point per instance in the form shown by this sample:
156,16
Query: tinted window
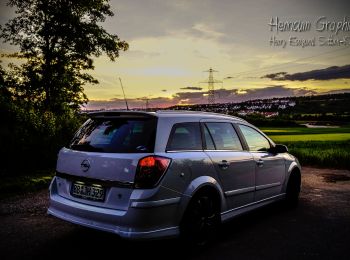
185,136
116,136
224,136
255,140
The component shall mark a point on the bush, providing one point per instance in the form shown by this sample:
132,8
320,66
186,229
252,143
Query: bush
30,139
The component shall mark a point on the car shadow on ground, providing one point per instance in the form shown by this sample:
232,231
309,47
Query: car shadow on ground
256,234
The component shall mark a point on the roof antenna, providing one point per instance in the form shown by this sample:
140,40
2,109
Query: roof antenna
126,102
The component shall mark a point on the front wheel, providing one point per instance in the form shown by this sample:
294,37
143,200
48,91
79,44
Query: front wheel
293,190
201,219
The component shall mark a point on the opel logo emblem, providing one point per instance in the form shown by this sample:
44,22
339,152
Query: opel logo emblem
85,165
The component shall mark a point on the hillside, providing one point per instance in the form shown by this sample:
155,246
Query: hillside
330,107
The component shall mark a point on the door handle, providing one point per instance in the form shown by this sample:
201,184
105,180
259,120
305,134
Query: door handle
224,164
260,163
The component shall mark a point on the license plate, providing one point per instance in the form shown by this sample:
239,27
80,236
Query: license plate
89,192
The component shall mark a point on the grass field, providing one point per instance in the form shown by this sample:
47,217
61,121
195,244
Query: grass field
324,147
311,137
304,130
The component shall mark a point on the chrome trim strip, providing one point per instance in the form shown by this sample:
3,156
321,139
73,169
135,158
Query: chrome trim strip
205,150
239,191
181,151
249,189
211,150
155,203
266,186
253,203
104,183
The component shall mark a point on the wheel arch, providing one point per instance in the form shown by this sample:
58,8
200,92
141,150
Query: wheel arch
202,184
294,169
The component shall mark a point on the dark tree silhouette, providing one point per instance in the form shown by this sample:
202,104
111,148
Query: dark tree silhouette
57,40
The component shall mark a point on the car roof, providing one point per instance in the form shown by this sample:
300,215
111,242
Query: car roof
163,113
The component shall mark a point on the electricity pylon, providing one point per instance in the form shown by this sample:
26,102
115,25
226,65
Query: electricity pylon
211,81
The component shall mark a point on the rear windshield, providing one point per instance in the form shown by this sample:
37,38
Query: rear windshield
119,135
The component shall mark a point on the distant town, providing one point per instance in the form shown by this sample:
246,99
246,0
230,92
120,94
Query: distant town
330,108
264,107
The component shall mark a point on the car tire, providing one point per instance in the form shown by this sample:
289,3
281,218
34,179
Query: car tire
293,190
201,220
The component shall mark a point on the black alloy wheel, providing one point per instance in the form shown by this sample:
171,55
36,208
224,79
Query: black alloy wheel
201,220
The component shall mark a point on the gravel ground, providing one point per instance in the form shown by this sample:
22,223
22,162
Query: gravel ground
319,228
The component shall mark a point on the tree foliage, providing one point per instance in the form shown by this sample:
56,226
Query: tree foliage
57,40
40,96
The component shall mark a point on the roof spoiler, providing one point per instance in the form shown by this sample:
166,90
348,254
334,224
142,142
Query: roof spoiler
121,114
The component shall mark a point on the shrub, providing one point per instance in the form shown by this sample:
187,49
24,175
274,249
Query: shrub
30,139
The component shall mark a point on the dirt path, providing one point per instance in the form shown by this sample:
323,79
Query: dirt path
319,229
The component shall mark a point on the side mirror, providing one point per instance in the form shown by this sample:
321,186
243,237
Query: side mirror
279,148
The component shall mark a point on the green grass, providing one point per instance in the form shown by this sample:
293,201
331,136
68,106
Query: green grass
322,153
304,130
311,137
27,183
323,147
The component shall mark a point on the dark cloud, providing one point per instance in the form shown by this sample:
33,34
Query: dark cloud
192,88
189,95
154,18
338,91
334,72
277,91
275,76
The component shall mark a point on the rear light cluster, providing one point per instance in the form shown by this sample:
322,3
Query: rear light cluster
150,170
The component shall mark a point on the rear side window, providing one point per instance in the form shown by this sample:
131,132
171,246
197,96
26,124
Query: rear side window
119,135
208,140
255,140
185,136
224,136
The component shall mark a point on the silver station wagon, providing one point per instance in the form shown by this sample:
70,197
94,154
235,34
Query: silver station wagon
168,173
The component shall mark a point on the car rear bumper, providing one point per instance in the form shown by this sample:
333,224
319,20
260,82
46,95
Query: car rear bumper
142,220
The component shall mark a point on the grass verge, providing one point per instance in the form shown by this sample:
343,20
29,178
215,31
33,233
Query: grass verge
321,147
334,154
304,130
311,137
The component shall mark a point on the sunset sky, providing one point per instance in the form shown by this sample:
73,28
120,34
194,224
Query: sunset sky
173,42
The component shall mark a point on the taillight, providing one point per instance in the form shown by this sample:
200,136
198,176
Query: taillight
150,170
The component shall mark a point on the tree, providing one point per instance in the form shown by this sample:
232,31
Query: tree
57,40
